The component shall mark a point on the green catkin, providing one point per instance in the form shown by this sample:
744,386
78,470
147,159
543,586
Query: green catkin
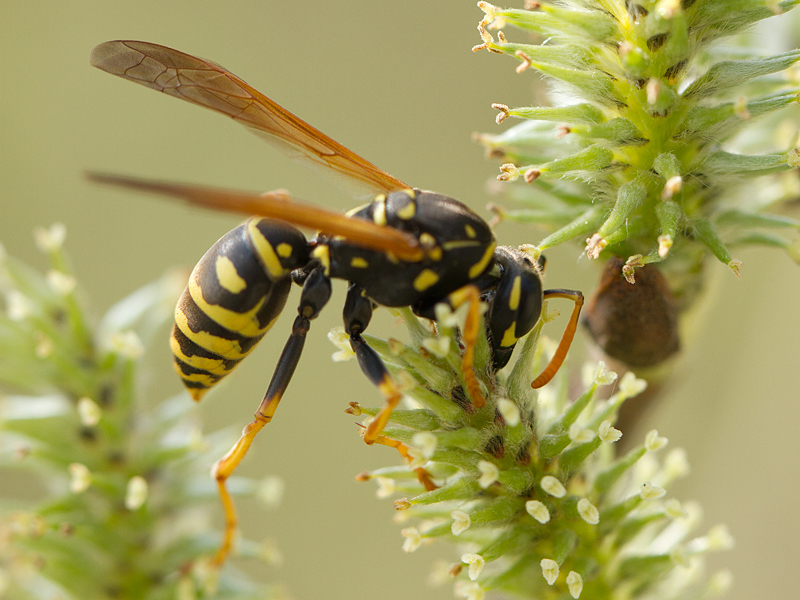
650,95
118,485
637,157
522,500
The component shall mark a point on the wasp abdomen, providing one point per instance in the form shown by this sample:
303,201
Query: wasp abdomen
234,295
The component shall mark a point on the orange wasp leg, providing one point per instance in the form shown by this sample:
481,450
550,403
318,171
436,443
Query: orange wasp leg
225,467
566,339
376,372
423,475
469,334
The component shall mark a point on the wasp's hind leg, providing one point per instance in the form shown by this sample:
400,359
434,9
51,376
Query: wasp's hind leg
316,293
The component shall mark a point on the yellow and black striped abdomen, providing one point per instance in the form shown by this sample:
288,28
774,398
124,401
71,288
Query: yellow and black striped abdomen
235,293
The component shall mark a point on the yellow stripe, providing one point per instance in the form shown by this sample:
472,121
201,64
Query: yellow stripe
245,323
509,339
205,380
265,252
516,292
228,276
470,230
212,343
353,211
425,279
212,365
455,244
379,214
358,262
479,266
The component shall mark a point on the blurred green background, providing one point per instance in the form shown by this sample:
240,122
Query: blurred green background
397,83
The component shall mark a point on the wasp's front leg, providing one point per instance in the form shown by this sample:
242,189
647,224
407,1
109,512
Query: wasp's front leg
357,315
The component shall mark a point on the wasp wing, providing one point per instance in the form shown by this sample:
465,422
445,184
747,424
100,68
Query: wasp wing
207,84
279,205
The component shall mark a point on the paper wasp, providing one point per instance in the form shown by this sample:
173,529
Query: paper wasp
407,247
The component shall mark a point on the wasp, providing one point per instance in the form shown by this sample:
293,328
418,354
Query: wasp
407,247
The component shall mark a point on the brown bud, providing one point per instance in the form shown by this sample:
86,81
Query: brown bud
636,324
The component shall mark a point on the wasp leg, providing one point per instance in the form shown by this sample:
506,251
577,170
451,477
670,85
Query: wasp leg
316,293
357,315
566,338
469,334
423,476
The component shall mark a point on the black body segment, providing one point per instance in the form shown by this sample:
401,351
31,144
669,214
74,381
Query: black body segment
517,302
459,246
235,293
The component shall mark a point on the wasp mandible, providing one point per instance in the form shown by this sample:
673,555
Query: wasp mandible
407,247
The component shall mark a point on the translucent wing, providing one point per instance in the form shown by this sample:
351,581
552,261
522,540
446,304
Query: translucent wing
279,205
205,83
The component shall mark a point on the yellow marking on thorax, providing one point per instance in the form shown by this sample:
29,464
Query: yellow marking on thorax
470,231
358,262
266,253
408,211
516,292
509,339
284,250
478,268
455,244
428,243
323,255
353,211
228,276
411,193
379,212
425,279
